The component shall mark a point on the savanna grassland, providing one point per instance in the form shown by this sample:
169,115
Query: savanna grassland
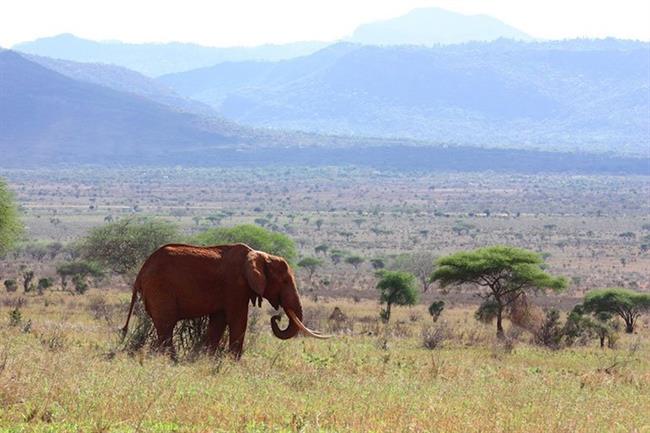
65,374
63,368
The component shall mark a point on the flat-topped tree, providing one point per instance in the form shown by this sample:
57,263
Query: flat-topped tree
501,273
310,264
628,304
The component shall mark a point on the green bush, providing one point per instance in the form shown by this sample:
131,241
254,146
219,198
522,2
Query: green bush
11,285
122,246
435,309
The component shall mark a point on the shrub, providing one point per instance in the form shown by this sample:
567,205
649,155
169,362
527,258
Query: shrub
433,337
487,311
15,317
189,335
11,285
435,309
580,328
43,283
79,272
550,333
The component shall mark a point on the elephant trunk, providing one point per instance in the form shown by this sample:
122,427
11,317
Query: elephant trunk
290,302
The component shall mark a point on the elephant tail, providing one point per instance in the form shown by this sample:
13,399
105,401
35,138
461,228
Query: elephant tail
134,297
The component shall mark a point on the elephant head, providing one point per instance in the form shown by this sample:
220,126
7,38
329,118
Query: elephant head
271,277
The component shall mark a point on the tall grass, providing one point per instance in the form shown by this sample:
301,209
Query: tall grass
374,378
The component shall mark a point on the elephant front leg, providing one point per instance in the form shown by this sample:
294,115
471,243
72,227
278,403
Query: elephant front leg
216,328
237,327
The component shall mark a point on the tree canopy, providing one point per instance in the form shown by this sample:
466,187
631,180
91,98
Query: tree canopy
122,246
502,273
310,263
254,236
10,225
420,264
628,304
396,287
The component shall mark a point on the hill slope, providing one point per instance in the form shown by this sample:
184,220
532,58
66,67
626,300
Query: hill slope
571,95
158,59
431,26
123,80
49,117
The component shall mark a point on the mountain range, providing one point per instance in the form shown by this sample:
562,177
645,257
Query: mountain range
53,117
586,95
155,59
444,89
423,26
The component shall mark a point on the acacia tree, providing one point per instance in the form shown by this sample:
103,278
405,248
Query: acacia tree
396,287
310,263
501,273
628,304
10,225
355,261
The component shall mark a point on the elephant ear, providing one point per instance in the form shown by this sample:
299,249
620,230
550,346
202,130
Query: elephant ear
255,271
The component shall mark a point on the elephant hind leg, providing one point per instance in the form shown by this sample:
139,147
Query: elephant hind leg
165,331
216,328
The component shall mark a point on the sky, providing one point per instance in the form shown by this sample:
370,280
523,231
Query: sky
253,22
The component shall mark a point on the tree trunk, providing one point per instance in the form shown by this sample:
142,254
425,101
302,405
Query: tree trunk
602,341
629,325
500,333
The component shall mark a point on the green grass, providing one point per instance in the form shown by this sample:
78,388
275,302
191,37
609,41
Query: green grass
63,376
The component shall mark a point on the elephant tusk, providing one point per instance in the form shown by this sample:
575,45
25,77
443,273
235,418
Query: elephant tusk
306,330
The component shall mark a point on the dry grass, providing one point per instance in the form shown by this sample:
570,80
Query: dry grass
62,375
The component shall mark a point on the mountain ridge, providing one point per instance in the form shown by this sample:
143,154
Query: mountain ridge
153,59
555,95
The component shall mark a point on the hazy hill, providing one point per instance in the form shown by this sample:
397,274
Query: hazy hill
575,95
431,26
49,117
123,80
157,59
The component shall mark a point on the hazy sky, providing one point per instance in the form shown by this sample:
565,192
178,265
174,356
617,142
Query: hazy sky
250,22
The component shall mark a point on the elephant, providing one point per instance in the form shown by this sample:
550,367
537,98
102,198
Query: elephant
181,281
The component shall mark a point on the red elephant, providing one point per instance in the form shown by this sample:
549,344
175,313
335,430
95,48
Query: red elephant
184,282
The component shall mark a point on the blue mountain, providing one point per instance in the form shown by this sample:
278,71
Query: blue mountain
590,95
155,59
